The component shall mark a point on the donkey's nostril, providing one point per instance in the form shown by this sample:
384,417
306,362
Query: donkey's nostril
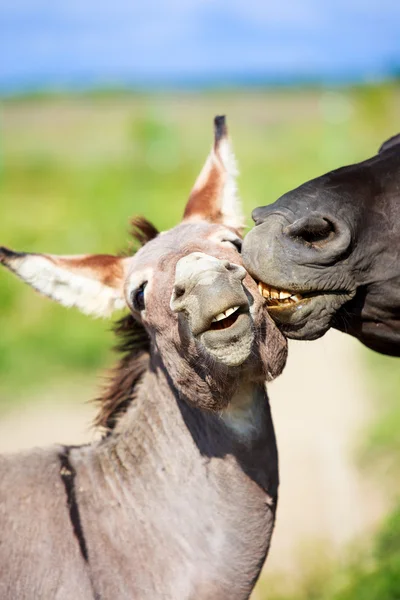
179,291
238,272
234,269
229,266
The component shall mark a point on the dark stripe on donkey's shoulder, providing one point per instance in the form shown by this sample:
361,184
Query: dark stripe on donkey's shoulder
68,474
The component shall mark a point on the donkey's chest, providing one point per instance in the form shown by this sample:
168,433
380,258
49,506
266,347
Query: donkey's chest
204,535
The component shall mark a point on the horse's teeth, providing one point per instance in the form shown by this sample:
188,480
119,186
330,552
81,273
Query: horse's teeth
275,297
266,292
274,294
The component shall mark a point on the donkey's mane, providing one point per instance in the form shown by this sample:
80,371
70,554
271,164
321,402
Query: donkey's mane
134,346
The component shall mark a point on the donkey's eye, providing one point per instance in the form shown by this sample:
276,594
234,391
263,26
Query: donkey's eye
237,243
138,297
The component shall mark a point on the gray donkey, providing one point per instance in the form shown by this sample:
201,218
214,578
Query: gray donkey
178,499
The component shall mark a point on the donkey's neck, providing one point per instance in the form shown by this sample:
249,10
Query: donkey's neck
243,415
187,488
159,420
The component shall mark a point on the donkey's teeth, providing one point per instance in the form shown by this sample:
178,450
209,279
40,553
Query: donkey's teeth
230,311
224,315
219,317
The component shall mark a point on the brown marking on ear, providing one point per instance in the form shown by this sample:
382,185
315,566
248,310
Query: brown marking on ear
108,269
92,283
105,268
202,200
214,195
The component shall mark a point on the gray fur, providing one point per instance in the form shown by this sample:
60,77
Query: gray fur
178,501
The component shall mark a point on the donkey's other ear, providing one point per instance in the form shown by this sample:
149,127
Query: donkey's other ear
214,196
92,283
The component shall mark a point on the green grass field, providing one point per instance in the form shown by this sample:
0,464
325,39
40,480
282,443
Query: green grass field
74,169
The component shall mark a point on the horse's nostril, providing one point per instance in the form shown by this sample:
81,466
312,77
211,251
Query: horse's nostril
259,214
311,230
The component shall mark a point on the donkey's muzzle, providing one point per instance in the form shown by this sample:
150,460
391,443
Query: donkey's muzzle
206,289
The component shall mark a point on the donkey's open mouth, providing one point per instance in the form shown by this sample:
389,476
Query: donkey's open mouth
229,340
227,318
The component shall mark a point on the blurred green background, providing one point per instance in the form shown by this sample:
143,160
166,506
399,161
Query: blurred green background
74,168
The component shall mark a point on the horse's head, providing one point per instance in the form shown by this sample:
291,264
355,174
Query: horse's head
187,286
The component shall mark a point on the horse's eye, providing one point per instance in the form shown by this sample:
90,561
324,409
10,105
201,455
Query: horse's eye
138,297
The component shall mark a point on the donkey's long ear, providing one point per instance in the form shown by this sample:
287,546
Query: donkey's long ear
214,196
92,283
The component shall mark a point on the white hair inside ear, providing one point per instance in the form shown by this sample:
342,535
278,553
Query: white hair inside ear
231,204
91,283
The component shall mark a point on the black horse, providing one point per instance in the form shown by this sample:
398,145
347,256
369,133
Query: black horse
327,254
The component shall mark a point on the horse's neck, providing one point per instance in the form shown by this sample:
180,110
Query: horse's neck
179,486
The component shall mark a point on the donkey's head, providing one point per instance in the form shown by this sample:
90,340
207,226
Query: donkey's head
187,286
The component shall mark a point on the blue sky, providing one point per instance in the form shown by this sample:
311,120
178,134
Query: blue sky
78,41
